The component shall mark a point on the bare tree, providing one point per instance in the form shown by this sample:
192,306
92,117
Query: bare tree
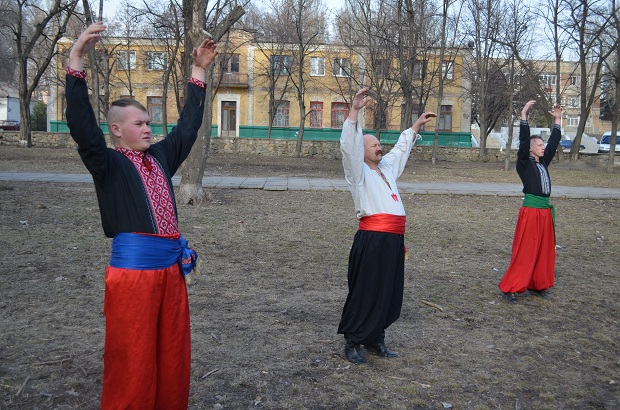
515,36
368,32
591,18
446,67
36,31
482,26
417,39
166,26
613,77
8,49
198,22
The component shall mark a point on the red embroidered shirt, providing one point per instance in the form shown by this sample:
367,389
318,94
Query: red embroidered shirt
157,190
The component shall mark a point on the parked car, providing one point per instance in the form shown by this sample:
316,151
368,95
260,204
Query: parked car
9,125
568,144
604,143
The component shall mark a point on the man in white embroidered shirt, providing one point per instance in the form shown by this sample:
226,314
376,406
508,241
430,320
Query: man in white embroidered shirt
377,258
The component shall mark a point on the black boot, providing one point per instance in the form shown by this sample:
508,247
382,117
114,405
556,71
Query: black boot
353,353
379,348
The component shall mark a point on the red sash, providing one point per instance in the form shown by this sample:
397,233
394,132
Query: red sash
384,223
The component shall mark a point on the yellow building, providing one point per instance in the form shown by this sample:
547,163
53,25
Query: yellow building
252,77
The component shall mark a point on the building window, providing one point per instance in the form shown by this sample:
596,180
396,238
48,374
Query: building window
572,121
447,70
316,114
229,68
230,63
445,118
574,80
340,112
547,79
125,60
573,101
156,60
154,106
382,69
341,67
317,66
419,69
281,113
281,64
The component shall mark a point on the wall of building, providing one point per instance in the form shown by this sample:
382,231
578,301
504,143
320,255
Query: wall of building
278,147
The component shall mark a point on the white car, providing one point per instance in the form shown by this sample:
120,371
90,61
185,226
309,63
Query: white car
603,144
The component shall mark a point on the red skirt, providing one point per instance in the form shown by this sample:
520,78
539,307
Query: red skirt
532,265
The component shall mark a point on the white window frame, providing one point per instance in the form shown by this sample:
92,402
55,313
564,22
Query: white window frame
156,60
281,118
123,57
447,70
340,67
548,79
317,66
572,101
280,64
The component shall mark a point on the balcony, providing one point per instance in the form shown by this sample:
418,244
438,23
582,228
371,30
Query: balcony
233,80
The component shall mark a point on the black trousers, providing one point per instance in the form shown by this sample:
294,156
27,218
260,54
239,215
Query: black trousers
376,281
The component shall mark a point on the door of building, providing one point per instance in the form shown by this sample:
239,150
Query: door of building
229,119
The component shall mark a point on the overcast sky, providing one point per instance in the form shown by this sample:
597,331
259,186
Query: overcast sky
109,6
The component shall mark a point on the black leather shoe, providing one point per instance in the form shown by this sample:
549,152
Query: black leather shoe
379,348
541,294
511,298
353,353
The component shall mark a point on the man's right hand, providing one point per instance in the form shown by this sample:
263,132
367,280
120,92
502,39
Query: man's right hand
359,102
85,42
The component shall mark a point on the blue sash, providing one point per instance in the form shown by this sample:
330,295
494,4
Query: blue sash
148,252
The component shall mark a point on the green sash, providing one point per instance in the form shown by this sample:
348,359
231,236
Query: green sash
534,201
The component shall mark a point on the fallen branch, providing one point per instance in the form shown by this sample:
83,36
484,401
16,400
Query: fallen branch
422,385
53,361
426,302
22,387
210,373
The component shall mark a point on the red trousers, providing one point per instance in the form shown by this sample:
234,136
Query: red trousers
147,354
532,265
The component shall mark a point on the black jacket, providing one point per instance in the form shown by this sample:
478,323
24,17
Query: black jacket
527,168
123,203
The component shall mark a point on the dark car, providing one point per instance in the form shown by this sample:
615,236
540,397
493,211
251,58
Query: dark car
9,125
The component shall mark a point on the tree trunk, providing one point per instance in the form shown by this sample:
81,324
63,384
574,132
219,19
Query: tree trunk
191,190
24,107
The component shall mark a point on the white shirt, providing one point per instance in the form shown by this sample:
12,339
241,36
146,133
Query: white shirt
371,194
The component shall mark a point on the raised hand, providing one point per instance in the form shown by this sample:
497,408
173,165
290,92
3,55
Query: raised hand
526,108
423,119
359,102
204,54
85,43
556,113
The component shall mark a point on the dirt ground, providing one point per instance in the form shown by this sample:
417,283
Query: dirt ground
266,307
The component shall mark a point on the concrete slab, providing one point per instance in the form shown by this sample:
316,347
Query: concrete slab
297,183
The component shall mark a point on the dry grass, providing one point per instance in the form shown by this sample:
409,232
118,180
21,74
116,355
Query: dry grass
265,312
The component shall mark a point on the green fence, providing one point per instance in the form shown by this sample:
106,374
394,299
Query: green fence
445,139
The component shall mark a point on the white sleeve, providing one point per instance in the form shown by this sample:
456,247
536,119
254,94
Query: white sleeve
352,147
395,161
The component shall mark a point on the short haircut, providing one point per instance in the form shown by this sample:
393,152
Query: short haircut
128,102
113,112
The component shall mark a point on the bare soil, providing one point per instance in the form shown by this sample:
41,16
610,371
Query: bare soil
266,307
